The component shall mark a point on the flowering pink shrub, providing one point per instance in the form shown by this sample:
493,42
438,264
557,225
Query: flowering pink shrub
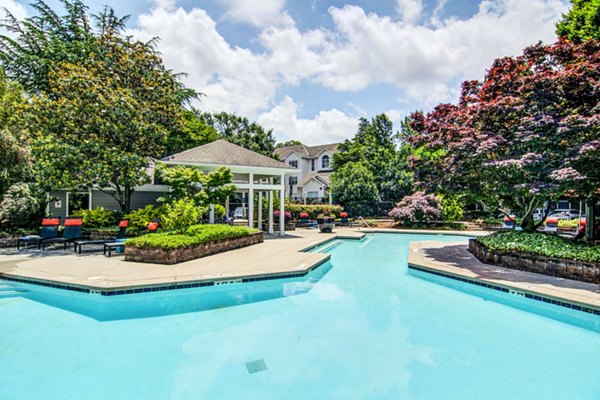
417,208
288,215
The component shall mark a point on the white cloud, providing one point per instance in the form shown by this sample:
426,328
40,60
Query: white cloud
326,127
232,77
16,9
260,13
377,49
409,10
424,61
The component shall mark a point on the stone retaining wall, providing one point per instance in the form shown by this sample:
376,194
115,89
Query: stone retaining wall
160,256
10,241
585,271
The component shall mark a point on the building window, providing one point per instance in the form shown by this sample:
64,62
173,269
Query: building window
313,195
293,180
293,163
312,164
325,162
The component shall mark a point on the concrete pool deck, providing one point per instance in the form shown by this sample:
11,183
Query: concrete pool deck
455,260
276,256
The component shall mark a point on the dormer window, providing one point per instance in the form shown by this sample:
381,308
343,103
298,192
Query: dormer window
293,163
325,162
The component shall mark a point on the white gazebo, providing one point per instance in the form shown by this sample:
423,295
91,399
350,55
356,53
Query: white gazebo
253,173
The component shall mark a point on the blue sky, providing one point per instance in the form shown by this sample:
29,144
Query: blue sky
309,69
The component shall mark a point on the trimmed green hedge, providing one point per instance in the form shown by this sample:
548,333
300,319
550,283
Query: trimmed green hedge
197,234
542,244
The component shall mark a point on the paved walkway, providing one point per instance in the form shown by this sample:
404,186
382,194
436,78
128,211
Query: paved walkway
275,256
455,259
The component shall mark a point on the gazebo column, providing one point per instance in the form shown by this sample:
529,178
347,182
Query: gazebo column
270,216
260,210
227,208
282,207
251,200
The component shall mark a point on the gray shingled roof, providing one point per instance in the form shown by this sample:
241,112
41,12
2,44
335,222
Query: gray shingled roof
322,177
224,153
306,151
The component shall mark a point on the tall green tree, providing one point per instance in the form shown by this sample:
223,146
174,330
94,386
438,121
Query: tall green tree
353,185
240,131
46,40
375,147
194,132
95,117
15,157
582,22
289,143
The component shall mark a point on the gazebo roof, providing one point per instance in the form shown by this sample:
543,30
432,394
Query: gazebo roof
221,152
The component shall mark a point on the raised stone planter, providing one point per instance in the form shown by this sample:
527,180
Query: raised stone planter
585,271
10,241
161,256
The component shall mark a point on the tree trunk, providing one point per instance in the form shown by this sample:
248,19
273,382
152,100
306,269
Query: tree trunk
126,200
528,224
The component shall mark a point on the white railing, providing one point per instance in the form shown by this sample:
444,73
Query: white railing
365,222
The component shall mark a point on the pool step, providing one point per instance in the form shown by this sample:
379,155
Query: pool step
330,245
7,291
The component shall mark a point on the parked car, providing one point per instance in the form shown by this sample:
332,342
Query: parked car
564,214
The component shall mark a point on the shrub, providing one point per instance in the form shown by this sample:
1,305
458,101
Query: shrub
452,208
219,212
179,215
140,218
542,244
313,210
195,235
97,218
18,206
418,207
573,223
287,216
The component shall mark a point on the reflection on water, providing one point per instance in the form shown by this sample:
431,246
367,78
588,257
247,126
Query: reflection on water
559,313
155,304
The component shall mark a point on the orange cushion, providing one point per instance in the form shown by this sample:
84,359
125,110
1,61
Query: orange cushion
123,224
50,221
73,222
552,220
152,226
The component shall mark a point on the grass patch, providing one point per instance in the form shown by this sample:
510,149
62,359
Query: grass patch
541,244
197,234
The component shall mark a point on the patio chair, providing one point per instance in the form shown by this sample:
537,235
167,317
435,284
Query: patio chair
303,219
48,230
551,225
71,233
78,244
508,222
344,221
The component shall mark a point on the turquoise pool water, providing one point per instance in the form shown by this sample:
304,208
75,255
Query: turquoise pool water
359,327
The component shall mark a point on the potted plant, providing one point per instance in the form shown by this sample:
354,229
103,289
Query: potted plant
289,225
326,221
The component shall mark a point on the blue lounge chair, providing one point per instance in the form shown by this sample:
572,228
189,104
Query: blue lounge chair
48,230
71,233
123,224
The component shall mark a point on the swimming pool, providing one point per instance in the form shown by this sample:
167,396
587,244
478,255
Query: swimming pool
360,326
